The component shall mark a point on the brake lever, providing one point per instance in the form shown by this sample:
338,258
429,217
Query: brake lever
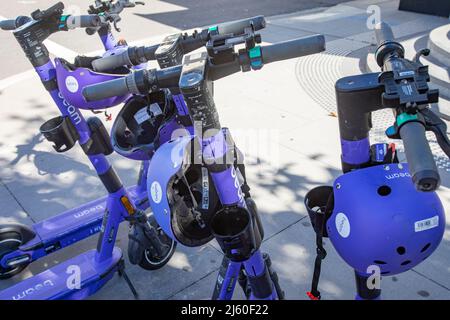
422,52
116,20
435,124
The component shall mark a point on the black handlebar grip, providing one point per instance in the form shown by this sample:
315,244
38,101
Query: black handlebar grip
133,56
383,33
107,89
8,24
112,62
386,43
149,52
237,27
293,48
14,24
419,157
83,21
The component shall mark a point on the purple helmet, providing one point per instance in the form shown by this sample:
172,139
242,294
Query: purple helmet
72,78
181,193
142,124
380,219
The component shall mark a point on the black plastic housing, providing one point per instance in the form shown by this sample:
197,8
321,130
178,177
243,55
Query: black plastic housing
237,233
100,142
61,132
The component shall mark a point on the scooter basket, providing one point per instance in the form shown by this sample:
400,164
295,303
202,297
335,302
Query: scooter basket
61,132
236,232
316,202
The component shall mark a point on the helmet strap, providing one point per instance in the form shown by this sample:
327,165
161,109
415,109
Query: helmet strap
321,219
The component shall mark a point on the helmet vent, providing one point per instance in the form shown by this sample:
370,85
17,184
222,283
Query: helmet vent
404,263
425,247
401,250
384,191
380,262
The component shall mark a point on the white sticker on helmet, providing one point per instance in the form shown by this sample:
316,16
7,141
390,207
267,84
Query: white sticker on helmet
72,84
426,224
155,109
156,192
142,115
342,225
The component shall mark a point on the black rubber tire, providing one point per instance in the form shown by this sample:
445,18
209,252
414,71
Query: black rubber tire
149,262
9,242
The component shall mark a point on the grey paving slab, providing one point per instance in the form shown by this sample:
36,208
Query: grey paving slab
341,16
202,290
186,268
279,183
11,210
419,24
437,266
276,88
274,33
322,144
350,19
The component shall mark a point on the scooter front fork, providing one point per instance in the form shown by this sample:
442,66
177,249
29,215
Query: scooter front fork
260,283
255,276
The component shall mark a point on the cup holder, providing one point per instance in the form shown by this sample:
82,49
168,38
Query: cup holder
316,201
236,232
61,132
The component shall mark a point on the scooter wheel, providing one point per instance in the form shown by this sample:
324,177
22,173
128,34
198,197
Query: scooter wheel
152,261
9,242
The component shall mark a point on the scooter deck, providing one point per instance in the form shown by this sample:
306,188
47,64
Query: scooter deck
76,278
70,226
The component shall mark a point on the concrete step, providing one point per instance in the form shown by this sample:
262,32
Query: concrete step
443,110
439,75
439,43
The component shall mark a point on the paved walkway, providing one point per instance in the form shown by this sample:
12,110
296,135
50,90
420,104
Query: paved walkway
280,116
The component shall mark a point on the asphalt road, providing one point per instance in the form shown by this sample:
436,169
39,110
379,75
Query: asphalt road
155,18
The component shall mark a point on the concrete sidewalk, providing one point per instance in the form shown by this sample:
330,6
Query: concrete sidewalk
286,108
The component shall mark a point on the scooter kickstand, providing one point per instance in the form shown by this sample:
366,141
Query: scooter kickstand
122,273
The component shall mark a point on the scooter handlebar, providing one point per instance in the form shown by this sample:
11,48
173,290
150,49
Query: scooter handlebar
12,24
293,48
238,27
131,56
421,163
8,24
83,21
383,33
141,80
116,87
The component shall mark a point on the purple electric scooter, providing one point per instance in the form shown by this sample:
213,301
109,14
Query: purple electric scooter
148,245
21,245
382,217
196,188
